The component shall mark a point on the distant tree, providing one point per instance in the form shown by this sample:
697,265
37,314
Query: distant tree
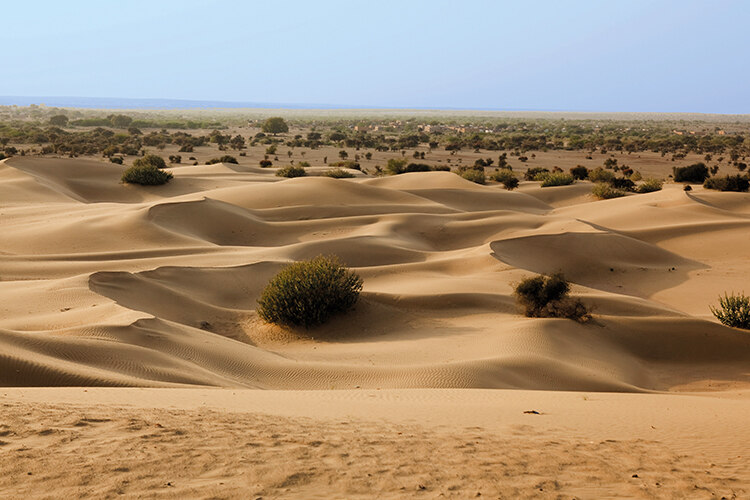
237,142
120,121
343,155
275,125
59,120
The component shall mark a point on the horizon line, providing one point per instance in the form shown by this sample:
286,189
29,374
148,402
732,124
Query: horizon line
172,104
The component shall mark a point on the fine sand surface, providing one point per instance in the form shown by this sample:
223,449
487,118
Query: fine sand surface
105,284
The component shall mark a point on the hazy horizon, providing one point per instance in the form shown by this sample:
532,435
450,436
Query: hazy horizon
620,56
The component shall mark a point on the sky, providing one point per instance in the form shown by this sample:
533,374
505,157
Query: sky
597,55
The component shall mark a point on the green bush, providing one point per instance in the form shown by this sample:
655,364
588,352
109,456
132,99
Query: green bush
532,173
605,191
116,159
265,163
580,172
395,167
600,175
147,175
510,184
308,293
503,175
734,310
738,183
695,173
557,179
150,161
338,173
223,159
417,167
547,297
474,175
650,185
622,183
291,171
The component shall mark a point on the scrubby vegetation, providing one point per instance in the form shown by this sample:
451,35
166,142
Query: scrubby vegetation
506,177
580,172
338,173
548,297
733,310
150,161
308,293
291,171
557,179
695,173
474,175
605,191
275,125
146,175
739,183
601,175
535,173
223,159
650,185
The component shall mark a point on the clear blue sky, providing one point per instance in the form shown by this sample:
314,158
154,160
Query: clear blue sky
597,55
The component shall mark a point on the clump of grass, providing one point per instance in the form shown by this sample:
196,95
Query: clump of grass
738,183
548,297
291,171
557,179
733,310
605,191
650,185
308,293
338,173
147,175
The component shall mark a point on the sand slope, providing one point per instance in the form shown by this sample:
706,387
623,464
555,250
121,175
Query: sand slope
107,284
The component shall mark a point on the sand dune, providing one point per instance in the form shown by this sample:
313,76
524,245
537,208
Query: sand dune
109,284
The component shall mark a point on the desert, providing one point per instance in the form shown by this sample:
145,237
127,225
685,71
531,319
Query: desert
133,352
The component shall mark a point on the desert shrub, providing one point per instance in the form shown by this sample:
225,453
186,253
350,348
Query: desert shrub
187,148
687,188
275,125
548,297
604,191
579,172
308,293
739,183
417,167
503,175
695,173
59,120
2,156
146,175
441,168
395,167
338,173
175,159
474,175
223,159
291,171
636,176
510,184
733,310
346,164
150,161
557,179
532,173
622,183
600,175
650,185
116,159
265,163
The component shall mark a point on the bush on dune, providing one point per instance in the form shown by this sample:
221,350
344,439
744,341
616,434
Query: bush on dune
733,310
557,179
474,175
605,191
291,171
308,293
150,161
650,185
535,173
338,173
147,175
737,183
223,159
548,297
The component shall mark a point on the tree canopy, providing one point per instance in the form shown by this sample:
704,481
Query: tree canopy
275,125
